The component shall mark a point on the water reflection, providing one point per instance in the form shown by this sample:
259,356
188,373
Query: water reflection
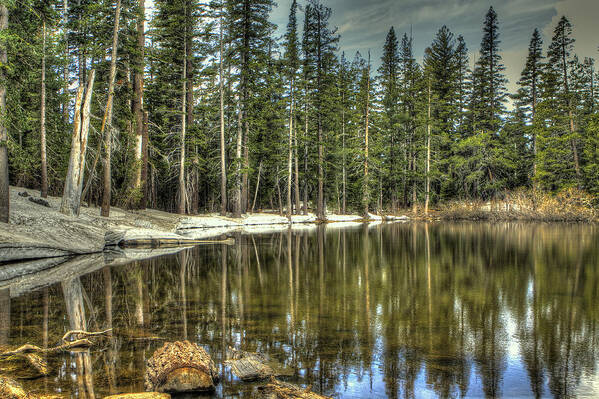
461,310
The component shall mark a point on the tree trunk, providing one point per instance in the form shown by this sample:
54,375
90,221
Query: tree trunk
138,88
182,190
237,190
366,193
44,188
245,187
290,159
279,193
145,166
344,170
107,130
223,161
296,183
4,190
257,186
71,197
305,207
428,152
189,101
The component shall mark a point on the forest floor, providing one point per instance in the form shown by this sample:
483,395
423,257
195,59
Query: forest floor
38,230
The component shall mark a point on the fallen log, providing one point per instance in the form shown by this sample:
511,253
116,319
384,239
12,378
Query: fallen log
180,367
282,390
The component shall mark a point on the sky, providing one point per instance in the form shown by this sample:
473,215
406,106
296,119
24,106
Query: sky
363,24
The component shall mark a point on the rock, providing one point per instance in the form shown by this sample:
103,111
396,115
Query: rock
40,201
142,395
249,366
180,367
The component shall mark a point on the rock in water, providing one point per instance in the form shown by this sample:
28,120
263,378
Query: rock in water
249,366
143,395
180,367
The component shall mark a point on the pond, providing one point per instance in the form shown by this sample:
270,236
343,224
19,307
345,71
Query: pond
391,310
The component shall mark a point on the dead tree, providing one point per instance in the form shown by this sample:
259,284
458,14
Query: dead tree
71,197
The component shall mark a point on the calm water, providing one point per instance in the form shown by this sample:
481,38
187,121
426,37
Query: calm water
401,310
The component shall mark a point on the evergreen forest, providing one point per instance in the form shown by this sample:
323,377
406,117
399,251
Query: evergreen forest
193,107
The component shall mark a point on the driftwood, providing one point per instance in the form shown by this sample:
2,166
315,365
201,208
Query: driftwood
30,353
281,390
80,333
180,367
249,366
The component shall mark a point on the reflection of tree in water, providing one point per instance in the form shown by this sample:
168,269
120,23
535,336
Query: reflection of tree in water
390,303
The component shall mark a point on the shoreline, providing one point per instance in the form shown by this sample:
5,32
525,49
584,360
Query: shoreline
37,231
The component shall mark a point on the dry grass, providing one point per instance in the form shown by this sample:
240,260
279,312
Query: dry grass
570,205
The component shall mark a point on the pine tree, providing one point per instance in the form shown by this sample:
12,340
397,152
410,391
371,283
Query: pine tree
529,91
389,75
488,166
292,65
558,164
410,75
320,44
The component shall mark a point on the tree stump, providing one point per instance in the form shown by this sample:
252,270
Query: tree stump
180,367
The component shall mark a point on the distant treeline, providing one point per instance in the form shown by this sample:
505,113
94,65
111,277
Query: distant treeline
204,109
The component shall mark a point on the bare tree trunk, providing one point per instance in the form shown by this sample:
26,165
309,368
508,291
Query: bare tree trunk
182,190
223,161
257,186
306,162
237,190
144,170
138,89
279,193
4,190
366,193
296,185
245,187
44,188
190,103
344,170
107,130
428,152
71,198
290,159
